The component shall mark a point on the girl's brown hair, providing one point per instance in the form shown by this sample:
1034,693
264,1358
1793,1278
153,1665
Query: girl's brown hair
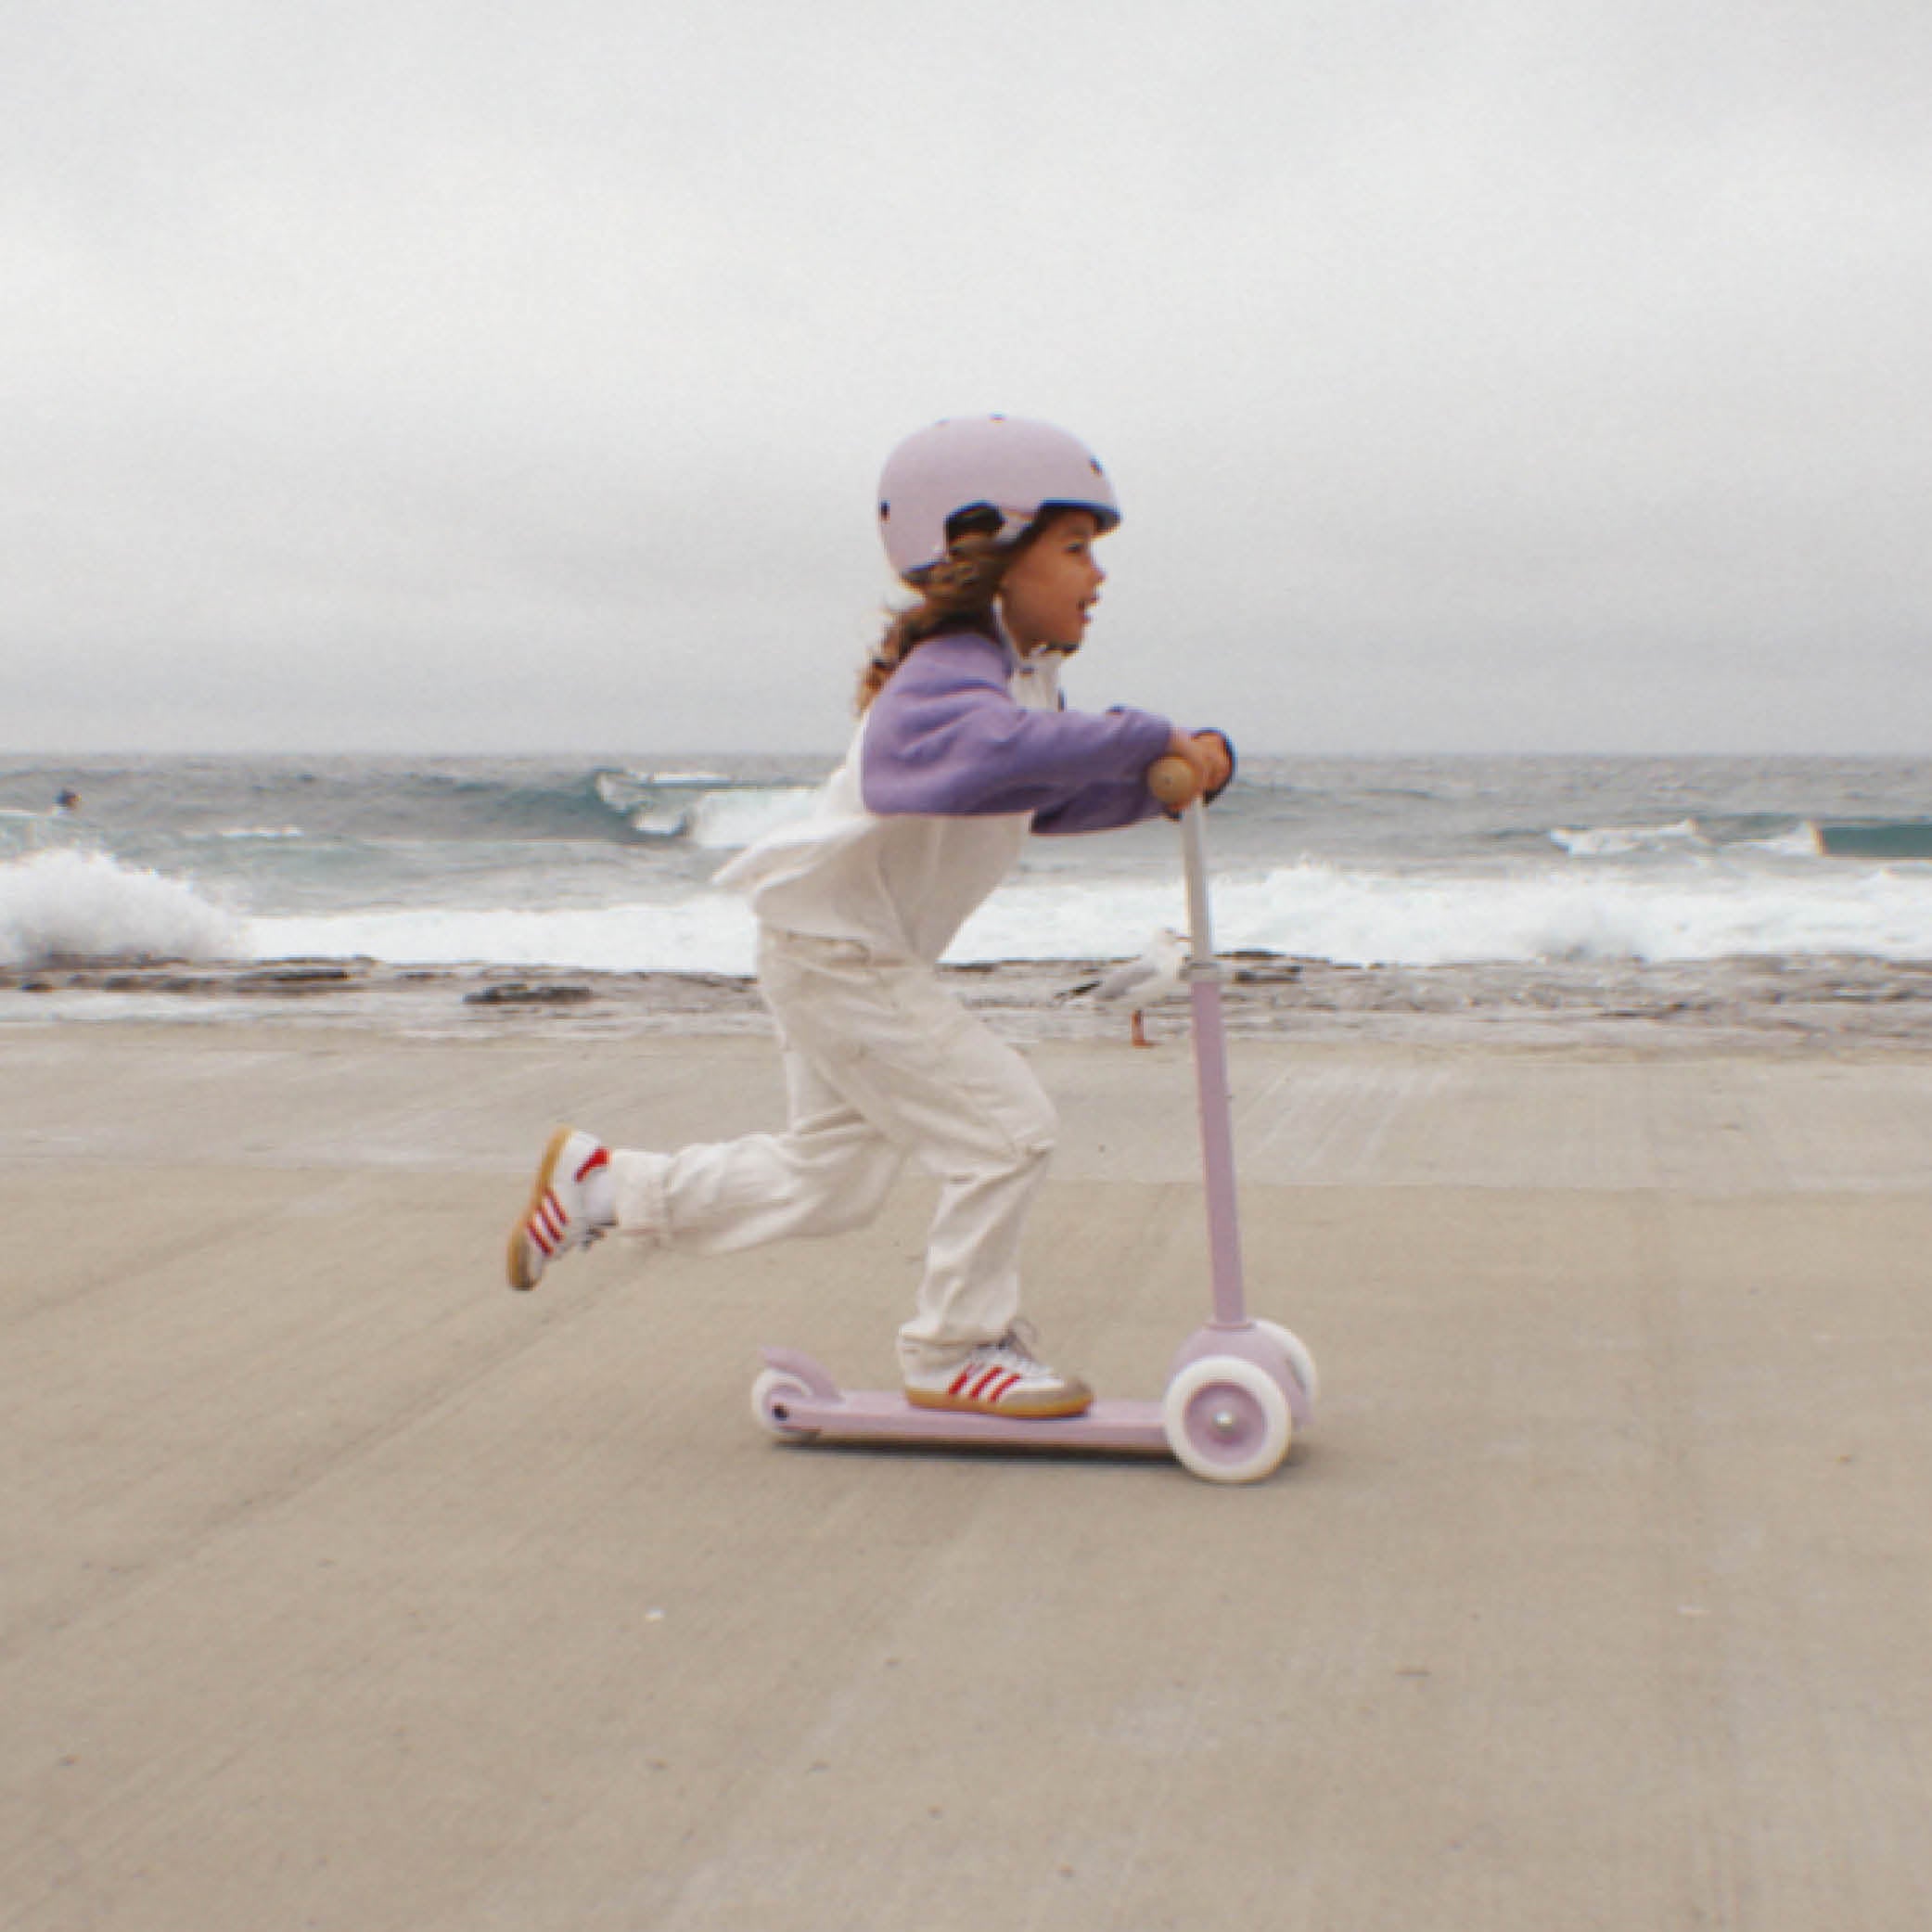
956,594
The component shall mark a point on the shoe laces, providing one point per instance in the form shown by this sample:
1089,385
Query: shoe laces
1016,1349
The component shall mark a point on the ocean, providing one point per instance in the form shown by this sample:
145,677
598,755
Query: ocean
604,865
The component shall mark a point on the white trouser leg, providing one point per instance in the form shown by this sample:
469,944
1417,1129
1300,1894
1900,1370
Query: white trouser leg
937,1083
880,1062
829,1171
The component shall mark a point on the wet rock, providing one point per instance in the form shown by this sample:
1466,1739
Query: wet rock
517,994
305,978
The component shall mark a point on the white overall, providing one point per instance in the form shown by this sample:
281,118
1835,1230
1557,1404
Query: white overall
880,1062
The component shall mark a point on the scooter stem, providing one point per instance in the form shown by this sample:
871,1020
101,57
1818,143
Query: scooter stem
1211,1067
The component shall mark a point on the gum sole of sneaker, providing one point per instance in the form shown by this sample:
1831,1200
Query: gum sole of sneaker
522,1275
1045,1411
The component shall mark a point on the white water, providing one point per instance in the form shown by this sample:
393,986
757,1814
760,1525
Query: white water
723,821
1610,841
88,904
1315,911
1802,841
1362,919
709,934
705,808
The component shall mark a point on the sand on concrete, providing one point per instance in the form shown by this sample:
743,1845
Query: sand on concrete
345,1589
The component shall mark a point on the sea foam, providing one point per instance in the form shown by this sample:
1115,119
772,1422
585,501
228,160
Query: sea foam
1370,918
707,808
723,821
1347,916
712,934
85,905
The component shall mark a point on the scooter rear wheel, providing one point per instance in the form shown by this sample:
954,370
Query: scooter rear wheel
1226,1420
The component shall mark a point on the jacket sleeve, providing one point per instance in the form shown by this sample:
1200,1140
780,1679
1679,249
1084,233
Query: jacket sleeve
946,739
1100,808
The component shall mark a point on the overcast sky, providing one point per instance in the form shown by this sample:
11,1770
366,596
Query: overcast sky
515,374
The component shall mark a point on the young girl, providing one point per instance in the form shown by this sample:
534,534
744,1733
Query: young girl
964,746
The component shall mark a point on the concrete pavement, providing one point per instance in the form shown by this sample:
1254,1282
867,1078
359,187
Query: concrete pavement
345,1589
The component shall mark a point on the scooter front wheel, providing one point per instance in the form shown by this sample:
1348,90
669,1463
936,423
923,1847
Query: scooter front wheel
1301,1360
1226,1420
772,1397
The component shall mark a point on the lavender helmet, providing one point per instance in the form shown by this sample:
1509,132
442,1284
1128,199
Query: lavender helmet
968,470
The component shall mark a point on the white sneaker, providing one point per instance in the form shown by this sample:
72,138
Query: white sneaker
558,1217
999,1378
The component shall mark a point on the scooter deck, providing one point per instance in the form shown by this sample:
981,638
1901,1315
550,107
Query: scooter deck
836,1415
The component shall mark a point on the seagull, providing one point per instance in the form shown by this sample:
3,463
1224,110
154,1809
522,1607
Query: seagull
1156,974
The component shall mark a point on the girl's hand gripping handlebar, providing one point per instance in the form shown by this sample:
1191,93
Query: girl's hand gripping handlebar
1174,781
1196,764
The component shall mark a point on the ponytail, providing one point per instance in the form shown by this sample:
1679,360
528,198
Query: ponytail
956,594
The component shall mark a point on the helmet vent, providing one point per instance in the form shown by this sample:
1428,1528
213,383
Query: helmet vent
977,519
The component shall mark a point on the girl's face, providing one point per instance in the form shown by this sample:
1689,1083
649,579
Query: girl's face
1049,594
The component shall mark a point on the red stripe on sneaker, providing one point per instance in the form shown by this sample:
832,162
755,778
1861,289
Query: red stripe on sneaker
978,1391
541,1239
957,1385
554,1217
996,1395
600,1158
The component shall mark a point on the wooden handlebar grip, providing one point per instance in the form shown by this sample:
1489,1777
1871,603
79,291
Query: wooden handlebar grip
1171,780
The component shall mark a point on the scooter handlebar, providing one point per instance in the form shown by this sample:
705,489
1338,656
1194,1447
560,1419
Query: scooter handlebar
1172,781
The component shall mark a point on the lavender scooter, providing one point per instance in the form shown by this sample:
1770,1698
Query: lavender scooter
1237,1390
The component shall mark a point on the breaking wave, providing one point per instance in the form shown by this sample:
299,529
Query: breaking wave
1344,915
83,904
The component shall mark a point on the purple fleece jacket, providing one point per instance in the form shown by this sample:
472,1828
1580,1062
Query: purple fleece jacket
947,739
